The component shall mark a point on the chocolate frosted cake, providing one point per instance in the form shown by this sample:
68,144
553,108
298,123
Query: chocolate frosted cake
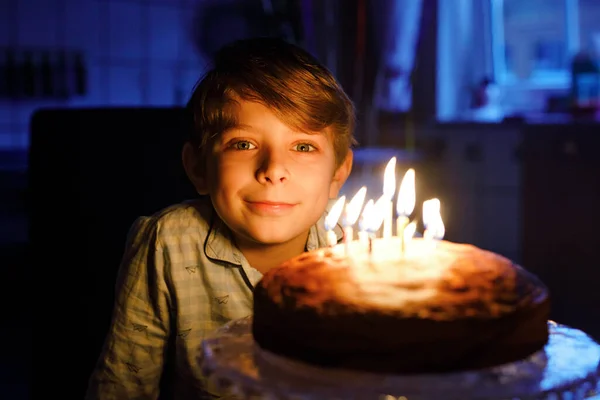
449,308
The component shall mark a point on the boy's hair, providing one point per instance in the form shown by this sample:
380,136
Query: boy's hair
281,76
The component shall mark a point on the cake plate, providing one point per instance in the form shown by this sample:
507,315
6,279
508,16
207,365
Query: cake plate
567,368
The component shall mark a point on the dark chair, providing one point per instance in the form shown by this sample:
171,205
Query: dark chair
92,172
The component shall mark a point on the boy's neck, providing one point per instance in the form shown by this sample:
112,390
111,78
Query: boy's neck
263,257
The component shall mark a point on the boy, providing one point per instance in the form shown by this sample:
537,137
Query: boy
270,145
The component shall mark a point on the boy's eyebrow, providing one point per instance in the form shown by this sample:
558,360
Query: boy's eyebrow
251,128
236,126
244,127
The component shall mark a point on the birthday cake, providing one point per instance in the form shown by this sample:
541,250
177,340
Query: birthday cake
438,307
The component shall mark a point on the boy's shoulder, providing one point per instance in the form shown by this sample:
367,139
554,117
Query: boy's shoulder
192,215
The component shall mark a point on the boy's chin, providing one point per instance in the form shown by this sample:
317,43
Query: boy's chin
272,235
266,238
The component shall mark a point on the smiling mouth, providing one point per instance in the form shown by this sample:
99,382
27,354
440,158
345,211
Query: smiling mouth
272,203
268,208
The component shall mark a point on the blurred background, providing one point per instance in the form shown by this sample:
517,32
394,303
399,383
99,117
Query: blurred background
495,103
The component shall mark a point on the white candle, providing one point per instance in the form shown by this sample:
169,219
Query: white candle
401,223
375,221
331,220
363,238
389,187
351,214
363,224
408,234
405,205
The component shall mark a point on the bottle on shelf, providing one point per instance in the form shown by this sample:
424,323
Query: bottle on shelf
585,83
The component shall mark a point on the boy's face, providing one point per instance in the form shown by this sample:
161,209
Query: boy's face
269,183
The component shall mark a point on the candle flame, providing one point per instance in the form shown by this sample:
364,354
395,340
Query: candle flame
334,214
406,194
353,208
389,179
431,208
378,214
432,219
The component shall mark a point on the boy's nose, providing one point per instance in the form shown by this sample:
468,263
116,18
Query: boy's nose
272,169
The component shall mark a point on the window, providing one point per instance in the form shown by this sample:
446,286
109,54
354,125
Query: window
535,40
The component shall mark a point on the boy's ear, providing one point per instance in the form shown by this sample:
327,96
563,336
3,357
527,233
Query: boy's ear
340,175
189,157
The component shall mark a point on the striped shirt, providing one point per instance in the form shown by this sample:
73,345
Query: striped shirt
181,277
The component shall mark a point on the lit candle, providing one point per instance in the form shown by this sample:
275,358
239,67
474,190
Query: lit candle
375,220
407,237
351,214
363,224
405,205
432,220
389,187
332,218
409,232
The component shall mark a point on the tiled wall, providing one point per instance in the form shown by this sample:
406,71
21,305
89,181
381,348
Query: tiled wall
137,52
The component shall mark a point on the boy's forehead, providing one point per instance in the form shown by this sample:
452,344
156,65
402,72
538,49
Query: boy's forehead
255,116
266,131
290,128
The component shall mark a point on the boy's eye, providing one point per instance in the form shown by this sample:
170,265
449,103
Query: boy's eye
243,145
305,147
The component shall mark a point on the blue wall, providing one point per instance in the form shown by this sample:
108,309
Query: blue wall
137,52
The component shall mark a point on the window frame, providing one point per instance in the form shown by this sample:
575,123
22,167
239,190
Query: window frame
559,80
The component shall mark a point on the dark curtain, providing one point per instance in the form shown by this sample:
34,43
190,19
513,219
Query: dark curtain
383,52
373,48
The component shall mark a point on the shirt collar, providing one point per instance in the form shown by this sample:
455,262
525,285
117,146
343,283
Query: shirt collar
219,243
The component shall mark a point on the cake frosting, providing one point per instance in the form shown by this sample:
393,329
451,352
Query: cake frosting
439,307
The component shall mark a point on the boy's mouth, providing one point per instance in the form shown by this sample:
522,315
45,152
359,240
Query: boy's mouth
270,208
